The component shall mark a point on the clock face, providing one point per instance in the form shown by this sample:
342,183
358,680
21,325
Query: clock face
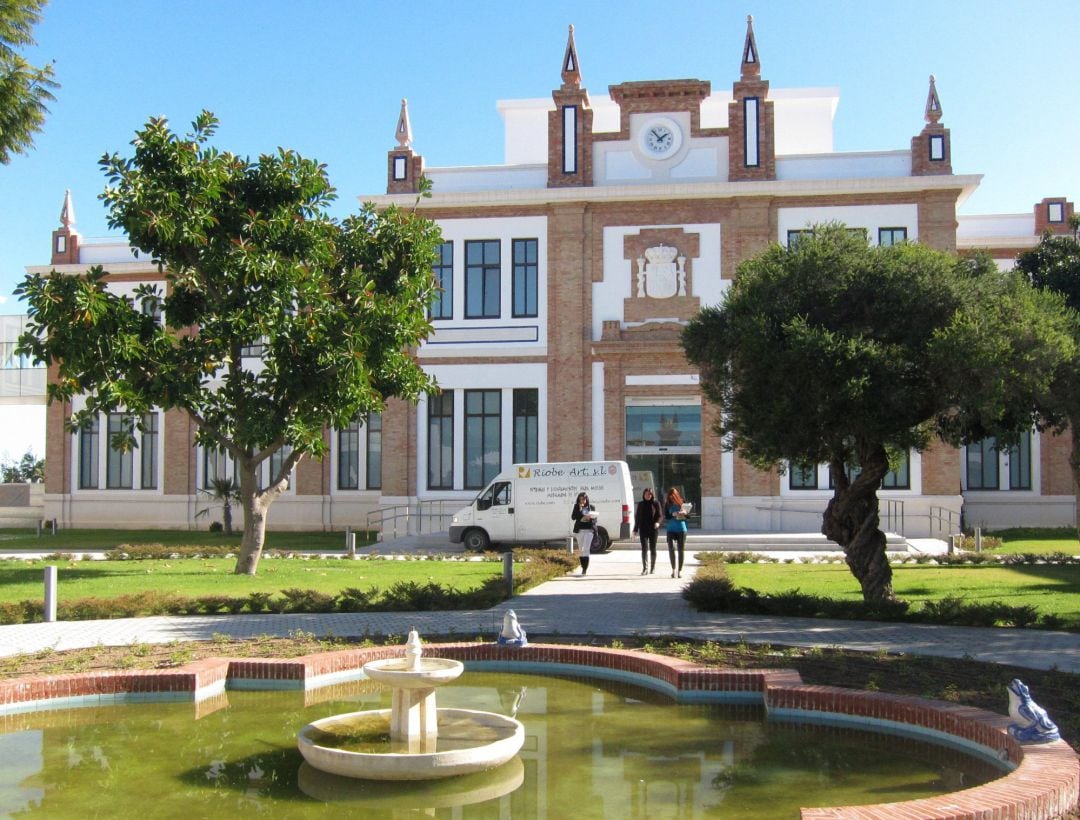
660,138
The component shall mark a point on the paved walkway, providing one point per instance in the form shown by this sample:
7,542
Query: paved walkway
613,600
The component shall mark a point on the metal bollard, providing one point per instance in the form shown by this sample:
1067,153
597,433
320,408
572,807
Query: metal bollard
952,544
39,529
50,594
978,539
570,544
350,539
508,572
55,528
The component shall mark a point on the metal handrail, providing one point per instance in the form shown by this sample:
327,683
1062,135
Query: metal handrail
423,516
894,515
947,521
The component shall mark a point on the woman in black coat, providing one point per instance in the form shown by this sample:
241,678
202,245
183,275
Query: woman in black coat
647,518
584,515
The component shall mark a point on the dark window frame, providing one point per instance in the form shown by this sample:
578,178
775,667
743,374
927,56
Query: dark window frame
487,275
120,461
526,425
441,417
757,132
89,454
988,455
524,286
490,426
348,457
443,271
808,477
373,461
148,455
891,234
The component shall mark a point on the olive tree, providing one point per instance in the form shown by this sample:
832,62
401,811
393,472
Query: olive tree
1054,265
837,352
251,262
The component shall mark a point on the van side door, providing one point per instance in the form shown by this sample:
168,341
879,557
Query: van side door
495,511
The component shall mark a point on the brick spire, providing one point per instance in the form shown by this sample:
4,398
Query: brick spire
931,150
571,68
404,166
751,68
933,103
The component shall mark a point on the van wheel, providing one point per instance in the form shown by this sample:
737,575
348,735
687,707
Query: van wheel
601,540
476,540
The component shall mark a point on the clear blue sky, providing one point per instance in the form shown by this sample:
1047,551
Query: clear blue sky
326,76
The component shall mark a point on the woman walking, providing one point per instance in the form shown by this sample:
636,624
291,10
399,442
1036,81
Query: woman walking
647,517
584,515
676,529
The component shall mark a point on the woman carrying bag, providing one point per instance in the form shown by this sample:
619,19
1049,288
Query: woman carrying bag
584,515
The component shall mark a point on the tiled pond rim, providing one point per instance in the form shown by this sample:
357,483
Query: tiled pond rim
1044,781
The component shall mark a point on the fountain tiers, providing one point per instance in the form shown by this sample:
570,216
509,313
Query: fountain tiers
414,722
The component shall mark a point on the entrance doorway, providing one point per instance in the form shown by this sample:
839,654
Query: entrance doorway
682,471
663,449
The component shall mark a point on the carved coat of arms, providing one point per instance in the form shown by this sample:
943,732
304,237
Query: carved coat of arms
661,273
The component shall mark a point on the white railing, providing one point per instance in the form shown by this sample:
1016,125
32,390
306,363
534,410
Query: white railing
894,515
943,522
414,518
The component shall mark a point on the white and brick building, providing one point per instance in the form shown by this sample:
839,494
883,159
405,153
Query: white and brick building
568,274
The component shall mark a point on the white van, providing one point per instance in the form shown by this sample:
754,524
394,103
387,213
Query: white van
531,504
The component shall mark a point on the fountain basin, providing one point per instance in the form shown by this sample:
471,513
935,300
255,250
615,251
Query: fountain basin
398,673
469,741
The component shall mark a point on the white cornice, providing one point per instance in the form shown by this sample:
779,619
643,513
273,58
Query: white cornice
690,190
112,267
1009,242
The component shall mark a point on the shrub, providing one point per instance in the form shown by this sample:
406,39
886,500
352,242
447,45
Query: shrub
307,600
352,599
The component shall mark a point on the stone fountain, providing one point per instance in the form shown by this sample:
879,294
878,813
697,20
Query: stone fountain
414,739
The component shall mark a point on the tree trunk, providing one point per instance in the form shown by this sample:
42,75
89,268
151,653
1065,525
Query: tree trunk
226,517
251,543
851,520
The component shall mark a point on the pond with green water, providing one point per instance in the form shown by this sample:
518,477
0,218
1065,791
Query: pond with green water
593,749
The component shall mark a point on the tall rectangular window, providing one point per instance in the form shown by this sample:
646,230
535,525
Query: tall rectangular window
276,460
802,476
937,148
891,236
482,279
443,306
752,137
148,452
1020,464
483,436
441,441
374,451
88,455
982,465
526,424
215,466
1055,212
569,139
348,461
524,286
119,459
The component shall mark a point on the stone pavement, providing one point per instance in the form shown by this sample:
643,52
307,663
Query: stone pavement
612,600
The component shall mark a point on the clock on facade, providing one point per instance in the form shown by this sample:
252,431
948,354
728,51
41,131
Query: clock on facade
660,137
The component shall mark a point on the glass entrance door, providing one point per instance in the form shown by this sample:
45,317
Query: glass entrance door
682,471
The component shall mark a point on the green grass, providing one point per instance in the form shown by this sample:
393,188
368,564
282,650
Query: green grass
22,580
1038,540
1050,589
75,540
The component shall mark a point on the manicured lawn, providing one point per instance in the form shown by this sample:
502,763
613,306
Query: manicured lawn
1037,540
1050,589
76,539
23,580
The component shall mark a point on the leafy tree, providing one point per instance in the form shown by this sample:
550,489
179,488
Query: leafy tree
251,259
24,89
832,351
1054,265
28,470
